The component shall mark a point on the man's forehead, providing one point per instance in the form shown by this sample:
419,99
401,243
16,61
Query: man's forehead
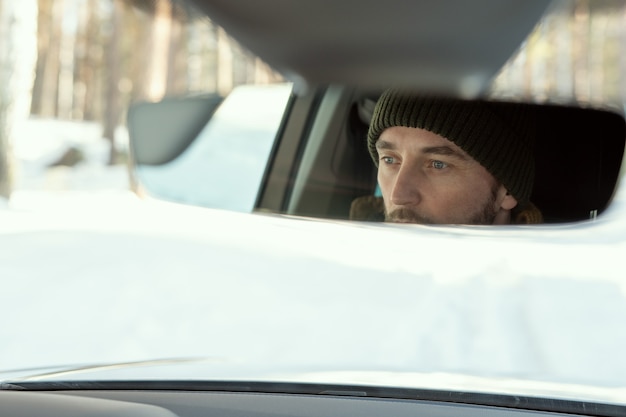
400,137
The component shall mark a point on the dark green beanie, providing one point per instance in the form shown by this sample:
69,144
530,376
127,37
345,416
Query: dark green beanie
499,136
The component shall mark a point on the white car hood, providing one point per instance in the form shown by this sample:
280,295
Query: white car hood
145,280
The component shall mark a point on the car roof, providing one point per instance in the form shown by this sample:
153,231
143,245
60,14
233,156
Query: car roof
368,43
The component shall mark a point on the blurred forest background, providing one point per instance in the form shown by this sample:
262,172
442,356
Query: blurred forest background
87,60
91,58
578,52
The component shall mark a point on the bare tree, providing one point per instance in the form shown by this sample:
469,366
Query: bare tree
177,58
18,48
112,104
44,19
45,89
159,48
91,64
224,73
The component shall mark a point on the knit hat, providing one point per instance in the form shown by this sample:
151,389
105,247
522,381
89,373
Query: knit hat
499,136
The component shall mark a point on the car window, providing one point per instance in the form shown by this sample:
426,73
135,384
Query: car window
223,168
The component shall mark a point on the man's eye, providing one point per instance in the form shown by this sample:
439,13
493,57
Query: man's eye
439,165
387,159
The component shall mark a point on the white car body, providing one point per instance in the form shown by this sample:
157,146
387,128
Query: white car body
274,295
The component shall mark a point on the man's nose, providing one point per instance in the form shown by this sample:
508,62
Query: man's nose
406,187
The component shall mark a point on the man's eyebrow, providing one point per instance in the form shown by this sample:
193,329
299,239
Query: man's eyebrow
383,144
446,151
430,150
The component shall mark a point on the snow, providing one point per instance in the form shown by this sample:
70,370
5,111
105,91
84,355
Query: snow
91,273
41,142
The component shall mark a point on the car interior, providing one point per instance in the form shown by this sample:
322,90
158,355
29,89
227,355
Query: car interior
578,155
320,166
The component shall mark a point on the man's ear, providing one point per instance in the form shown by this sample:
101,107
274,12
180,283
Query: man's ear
506,200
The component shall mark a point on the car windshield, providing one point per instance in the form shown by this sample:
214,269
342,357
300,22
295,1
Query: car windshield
233,256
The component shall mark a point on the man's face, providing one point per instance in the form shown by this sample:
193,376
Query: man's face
427,179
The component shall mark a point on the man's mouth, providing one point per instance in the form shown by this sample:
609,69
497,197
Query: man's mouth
401,221
404,215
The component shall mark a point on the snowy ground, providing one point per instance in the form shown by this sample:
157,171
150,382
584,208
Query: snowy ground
39,143
92,183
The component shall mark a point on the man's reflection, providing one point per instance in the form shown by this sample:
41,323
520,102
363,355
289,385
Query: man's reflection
447,161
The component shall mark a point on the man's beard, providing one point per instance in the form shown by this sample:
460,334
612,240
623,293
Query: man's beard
486,215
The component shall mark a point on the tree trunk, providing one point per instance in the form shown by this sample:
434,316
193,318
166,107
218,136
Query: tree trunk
44,20
622,63
224,63
160,42
582,87
177,60
112,106
65,98
18,54
92,62
563,47
49,40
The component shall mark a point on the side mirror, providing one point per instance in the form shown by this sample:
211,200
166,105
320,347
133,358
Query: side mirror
160,132
207,150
